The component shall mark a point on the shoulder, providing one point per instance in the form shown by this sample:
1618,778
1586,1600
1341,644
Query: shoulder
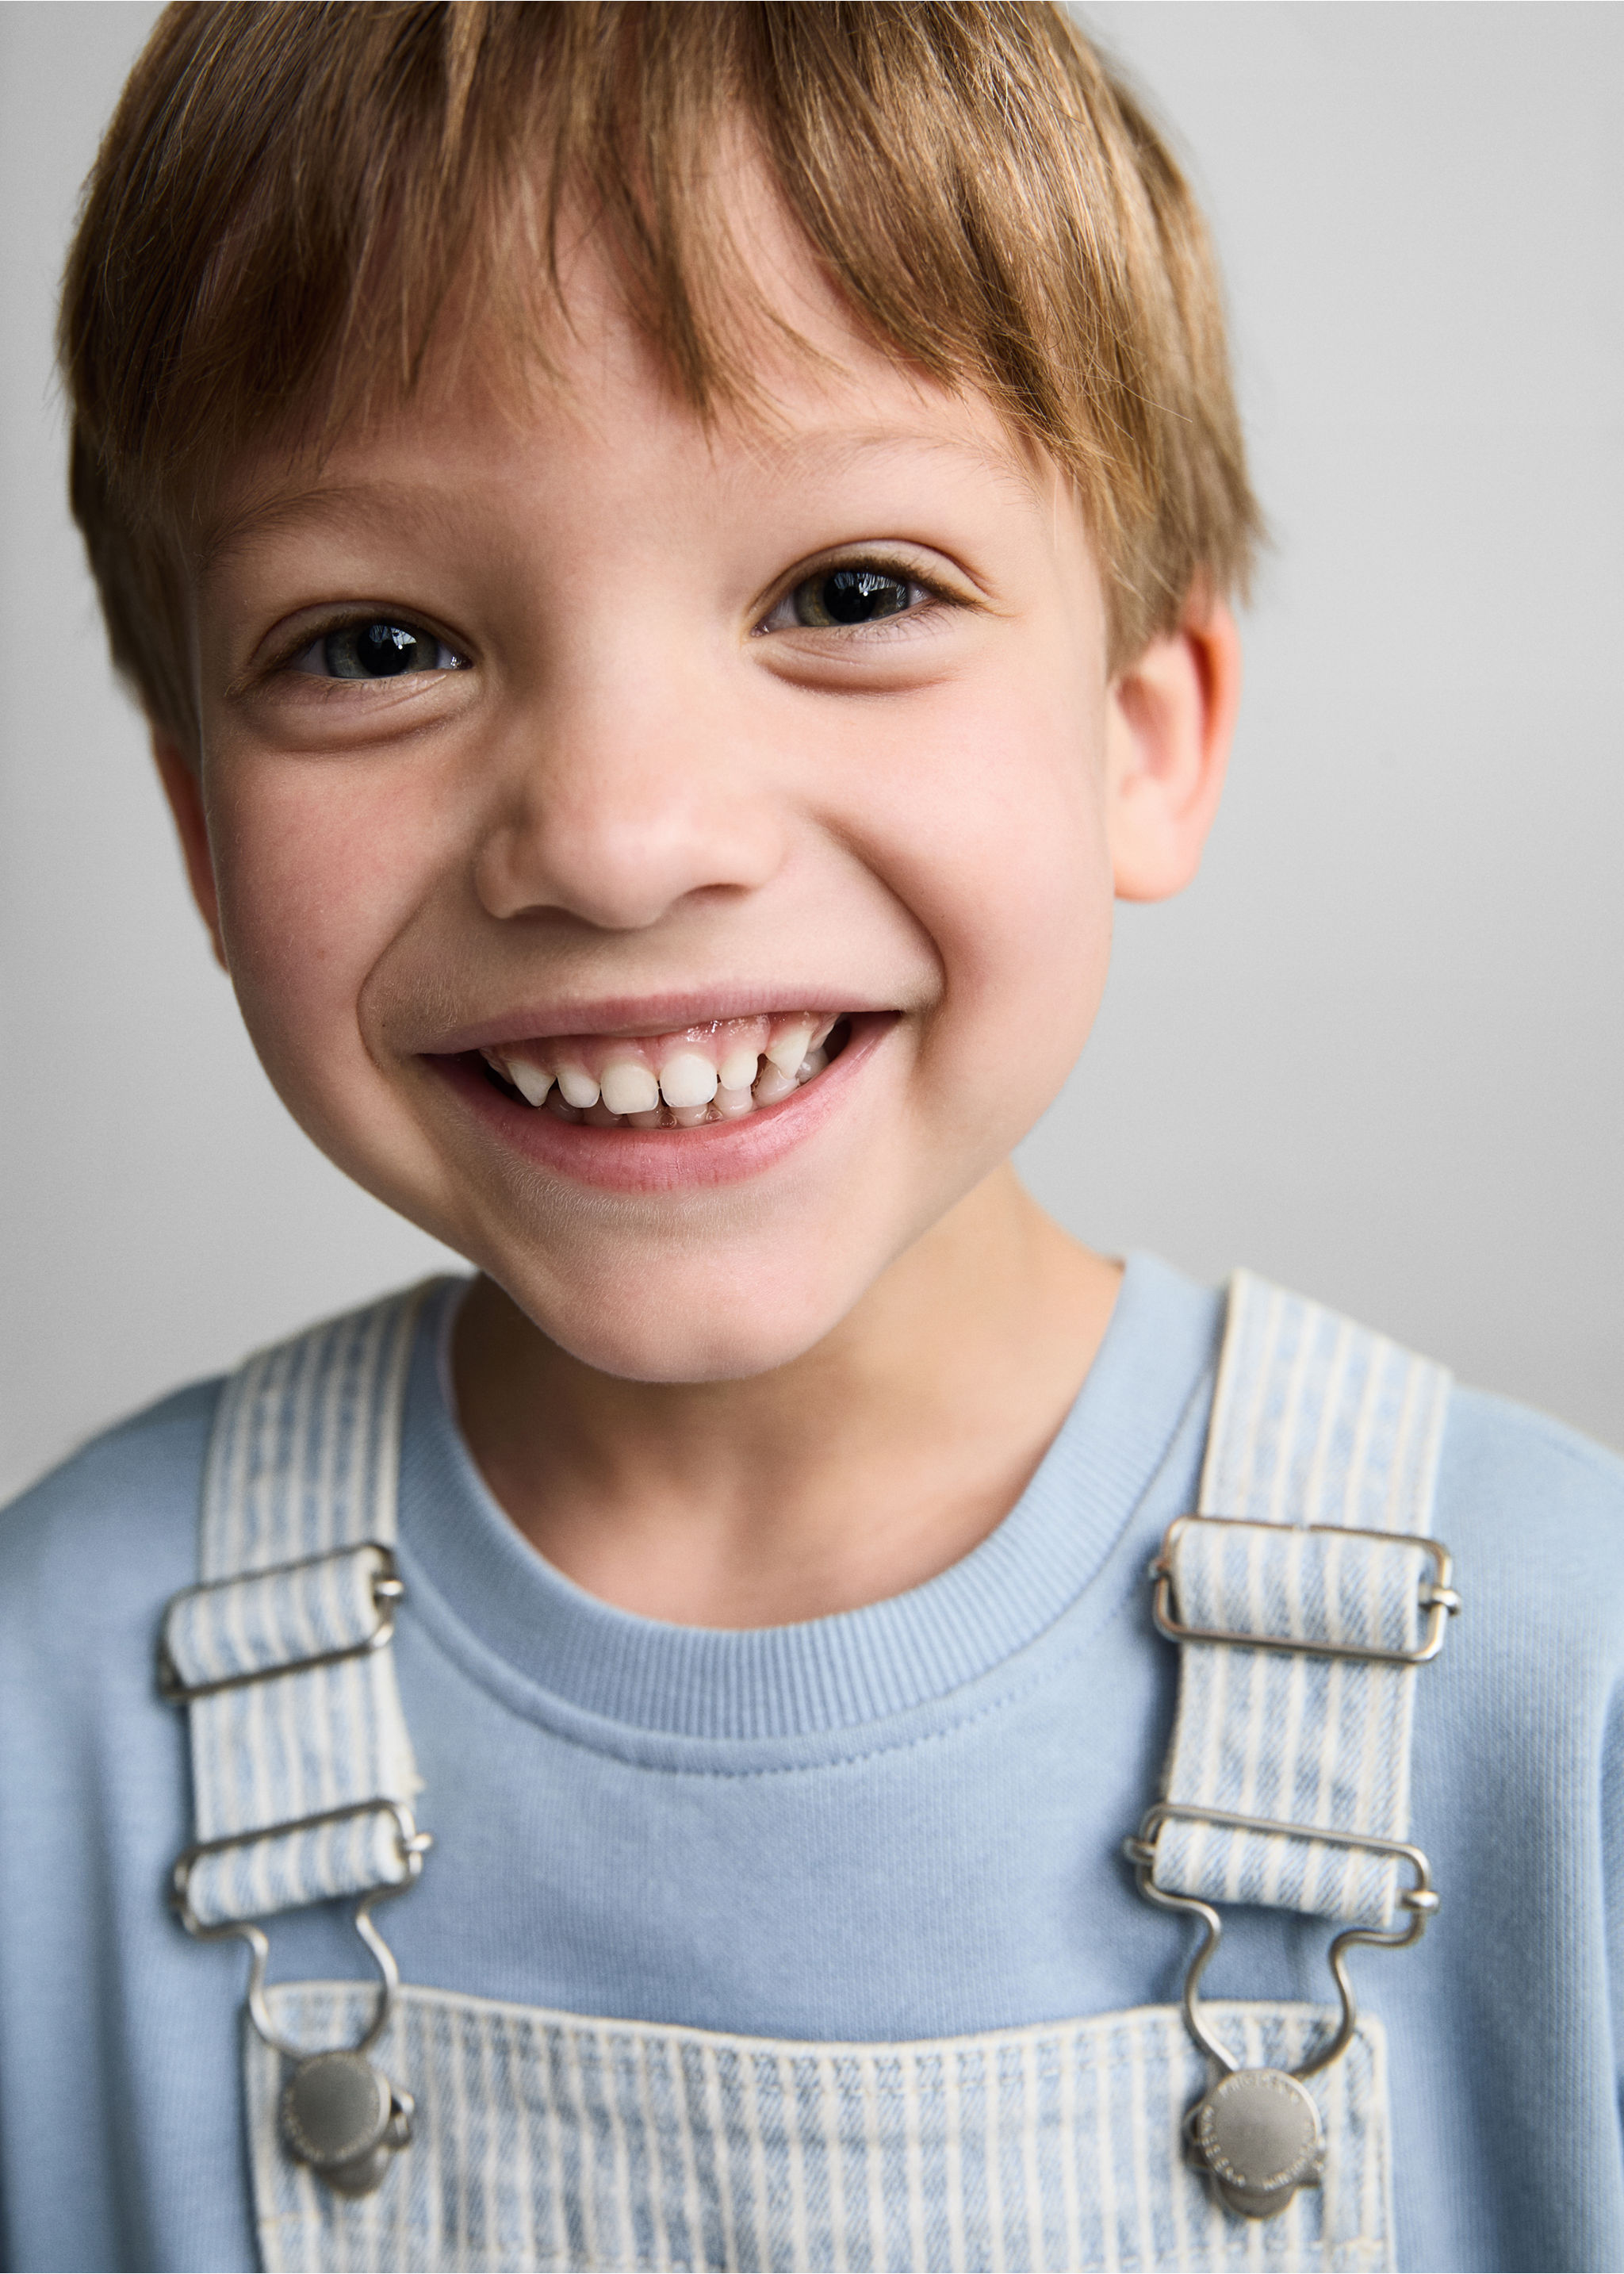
140,1463
1520,1476
1533,1514
89,1555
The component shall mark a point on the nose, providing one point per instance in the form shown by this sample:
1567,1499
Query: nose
625,787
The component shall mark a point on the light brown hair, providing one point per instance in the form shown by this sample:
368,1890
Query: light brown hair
288,196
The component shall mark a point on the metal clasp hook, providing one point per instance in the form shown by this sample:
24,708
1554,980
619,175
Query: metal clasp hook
1256,2133
1421,1901
339,2114
259,2013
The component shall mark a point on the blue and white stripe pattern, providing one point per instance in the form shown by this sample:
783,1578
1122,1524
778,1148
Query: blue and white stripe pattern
1316,1422
546,2141
303,1464
263,1622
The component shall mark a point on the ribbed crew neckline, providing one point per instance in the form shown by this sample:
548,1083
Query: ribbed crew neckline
826,1674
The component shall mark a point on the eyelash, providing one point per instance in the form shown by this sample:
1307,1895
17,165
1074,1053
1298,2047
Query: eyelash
313,643
903,573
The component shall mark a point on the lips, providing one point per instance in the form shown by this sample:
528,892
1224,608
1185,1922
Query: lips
666,1147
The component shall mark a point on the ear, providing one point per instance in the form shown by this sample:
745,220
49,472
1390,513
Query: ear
185,793
1170,719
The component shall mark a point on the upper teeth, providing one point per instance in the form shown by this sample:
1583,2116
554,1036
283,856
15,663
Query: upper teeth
688,1079
787,1048
577,1085
628,1087
727,1069
534,1083
739,1069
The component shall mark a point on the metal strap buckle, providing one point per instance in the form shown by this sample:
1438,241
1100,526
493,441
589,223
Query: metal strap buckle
1437,1597
387,1589
414,1845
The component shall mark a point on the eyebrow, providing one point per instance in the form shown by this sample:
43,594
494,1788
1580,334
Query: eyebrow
832,448
839,446
375,500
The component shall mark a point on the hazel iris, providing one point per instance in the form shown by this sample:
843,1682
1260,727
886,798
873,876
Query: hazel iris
850,596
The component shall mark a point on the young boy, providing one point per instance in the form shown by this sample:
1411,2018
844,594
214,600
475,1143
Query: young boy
676,559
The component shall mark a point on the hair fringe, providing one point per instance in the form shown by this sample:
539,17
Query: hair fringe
290,201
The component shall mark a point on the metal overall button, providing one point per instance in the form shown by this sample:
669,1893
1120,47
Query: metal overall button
1257,2136
345,2119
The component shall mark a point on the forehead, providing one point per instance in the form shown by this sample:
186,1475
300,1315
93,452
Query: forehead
596,410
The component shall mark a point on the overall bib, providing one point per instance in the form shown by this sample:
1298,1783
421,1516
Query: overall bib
407,2127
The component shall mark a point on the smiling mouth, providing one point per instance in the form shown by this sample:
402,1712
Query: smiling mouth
722,1070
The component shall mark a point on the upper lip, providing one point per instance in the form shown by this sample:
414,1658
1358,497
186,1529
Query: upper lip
629,1015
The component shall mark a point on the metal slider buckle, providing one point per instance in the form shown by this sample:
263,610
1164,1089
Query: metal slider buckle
1437,1597
387,1589
414,1845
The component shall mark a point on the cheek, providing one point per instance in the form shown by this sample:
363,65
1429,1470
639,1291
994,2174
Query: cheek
317,872
1002,856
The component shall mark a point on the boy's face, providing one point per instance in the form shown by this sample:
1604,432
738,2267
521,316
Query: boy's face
759,724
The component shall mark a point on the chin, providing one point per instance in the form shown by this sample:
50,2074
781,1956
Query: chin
726,1330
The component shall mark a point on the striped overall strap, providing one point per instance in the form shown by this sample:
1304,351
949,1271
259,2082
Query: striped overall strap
1316,1506
302,1770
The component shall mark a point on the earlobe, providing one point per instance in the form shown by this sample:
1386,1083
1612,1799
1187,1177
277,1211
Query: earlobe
185,793
1170,719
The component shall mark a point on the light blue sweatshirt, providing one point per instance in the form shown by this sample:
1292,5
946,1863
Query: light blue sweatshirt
903,1822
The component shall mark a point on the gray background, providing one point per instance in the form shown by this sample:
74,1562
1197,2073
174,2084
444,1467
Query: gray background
1376,1051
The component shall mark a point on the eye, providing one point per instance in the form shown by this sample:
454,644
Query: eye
850,596
854,592
378,649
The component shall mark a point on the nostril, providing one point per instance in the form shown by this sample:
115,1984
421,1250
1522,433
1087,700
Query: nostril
618,844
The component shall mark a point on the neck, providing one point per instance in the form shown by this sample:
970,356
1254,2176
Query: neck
867,1465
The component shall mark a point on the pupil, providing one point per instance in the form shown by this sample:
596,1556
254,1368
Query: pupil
856,595
387,650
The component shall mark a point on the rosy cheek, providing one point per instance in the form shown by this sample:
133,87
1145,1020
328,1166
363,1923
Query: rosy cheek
1036,918
313,873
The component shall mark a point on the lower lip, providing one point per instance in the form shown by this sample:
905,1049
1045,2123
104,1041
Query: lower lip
668,1160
